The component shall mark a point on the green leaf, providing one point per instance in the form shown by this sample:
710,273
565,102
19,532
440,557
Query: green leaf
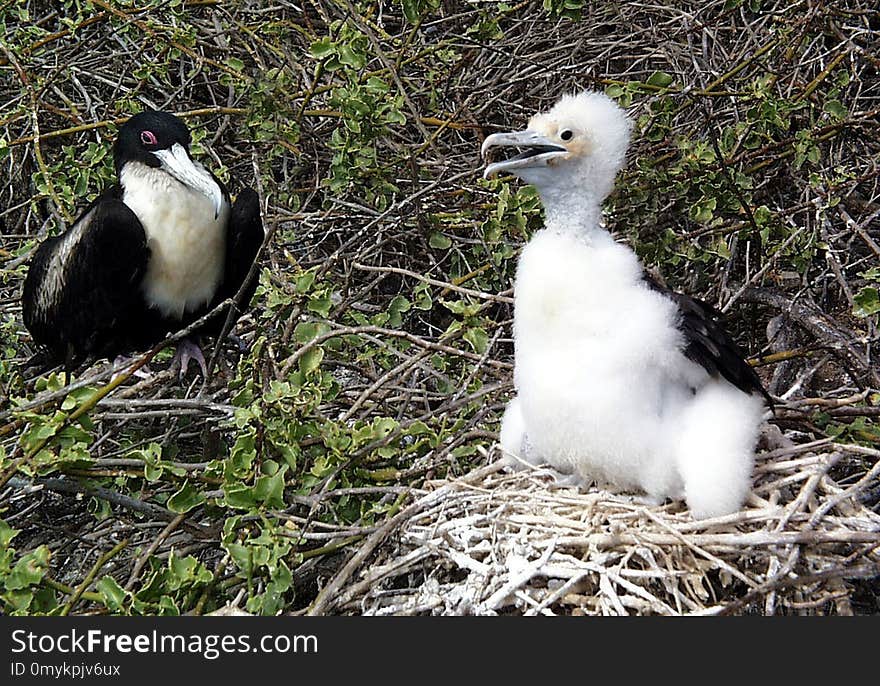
836,109
82,183
19,600
289,453
383,426
7,533
321,306
113,594
304,281
307,331
422,297
660,79
478,339
350,57
185,499
417,428
151,454
322,48
152,472
29,570
867,302
184,571
763,215
395,117
464,308
241,556
374,83
240,497
241,456
270,489
363,109
396,307
311,360
167,607
704,210
411,10
439,241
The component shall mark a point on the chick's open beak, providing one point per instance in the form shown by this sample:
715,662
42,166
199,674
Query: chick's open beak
537,151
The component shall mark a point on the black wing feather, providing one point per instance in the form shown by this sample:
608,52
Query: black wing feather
707,342
244,236
94,306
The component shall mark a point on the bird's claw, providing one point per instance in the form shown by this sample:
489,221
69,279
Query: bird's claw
186,351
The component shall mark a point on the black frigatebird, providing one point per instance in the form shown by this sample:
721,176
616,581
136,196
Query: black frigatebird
150,255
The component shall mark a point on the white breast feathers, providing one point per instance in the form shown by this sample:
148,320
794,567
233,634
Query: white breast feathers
187,243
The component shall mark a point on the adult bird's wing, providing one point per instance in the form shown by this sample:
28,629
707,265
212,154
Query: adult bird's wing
244,235
82,293
708,344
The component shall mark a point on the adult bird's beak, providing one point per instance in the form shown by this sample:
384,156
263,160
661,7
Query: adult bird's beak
538,151
177,162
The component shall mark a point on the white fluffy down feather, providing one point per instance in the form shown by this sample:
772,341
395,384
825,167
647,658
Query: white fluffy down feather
605,391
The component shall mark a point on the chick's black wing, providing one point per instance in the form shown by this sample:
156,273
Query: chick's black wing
708,344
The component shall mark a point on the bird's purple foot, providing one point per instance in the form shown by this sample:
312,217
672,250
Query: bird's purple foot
188,350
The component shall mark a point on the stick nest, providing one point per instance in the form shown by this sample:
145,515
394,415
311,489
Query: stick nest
496,542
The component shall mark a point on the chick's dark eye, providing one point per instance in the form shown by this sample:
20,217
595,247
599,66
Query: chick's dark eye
148,138
566,135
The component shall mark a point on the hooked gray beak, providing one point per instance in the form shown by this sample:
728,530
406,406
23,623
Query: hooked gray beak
177,162
538,151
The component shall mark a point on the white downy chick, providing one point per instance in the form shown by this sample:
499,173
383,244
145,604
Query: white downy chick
618,379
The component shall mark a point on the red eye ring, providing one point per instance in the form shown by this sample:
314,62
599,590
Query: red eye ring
148,138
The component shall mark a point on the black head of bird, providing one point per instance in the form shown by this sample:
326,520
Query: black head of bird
161,141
